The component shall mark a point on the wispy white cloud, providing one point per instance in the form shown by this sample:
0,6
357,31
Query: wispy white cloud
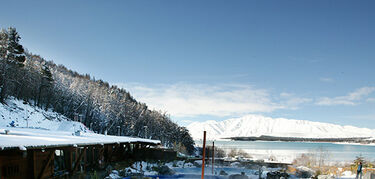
352,98
361,117
286,95
184,100
370,100
325,79
292,101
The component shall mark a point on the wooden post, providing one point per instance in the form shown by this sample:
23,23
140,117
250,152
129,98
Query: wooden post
113,151
85,159
78,159
32,164
102,157
68,157
204,153
46,164
93,156
213,156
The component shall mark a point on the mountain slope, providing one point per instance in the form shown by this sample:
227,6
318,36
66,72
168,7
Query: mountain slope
257,125
18,114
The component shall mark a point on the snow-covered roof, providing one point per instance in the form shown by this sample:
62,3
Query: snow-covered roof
26,138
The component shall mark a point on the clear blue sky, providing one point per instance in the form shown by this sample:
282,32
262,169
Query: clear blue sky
199,60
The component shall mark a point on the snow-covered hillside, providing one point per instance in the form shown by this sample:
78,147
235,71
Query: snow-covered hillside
16,113
257,125
47,128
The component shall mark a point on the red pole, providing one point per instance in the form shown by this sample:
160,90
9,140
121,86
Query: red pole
204,153
213,156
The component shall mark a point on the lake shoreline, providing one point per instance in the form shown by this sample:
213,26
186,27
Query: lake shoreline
282,151
355,140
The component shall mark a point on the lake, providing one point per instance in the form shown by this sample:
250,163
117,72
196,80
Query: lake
287,151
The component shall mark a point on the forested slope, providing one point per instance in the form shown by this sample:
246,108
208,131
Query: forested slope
99,105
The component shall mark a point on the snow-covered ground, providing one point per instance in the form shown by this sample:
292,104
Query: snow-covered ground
257,125
16,113
182,169
24,126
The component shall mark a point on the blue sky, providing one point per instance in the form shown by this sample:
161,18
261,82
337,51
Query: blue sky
200,60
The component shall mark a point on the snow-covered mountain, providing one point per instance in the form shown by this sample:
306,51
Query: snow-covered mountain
17,114
257,125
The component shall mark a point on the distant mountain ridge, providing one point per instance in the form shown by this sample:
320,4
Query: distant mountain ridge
257,125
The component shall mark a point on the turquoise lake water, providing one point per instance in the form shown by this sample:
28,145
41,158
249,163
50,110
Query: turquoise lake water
287,151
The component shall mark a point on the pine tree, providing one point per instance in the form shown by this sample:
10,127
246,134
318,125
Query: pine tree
15,52
45,84
12,58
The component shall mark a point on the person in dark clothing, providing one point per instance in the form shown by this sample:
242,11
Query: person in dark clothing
359,171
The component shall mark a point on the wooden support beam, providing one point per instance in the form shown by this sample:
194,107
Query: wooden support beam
78,160
85,159
50,156
101,158
112,152
127,149
101,152
93,156
121,151
68,158
31,164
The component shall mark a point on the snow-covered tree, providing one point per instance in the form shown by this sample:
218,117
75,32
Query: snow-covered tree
12,58
45,85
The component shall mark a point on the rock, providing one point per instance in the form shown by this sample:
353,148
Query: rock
325,177
164,170
114,175
222,172
277,175
188,165
304,172
198,163
130,172
239,176
109,169
235,164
